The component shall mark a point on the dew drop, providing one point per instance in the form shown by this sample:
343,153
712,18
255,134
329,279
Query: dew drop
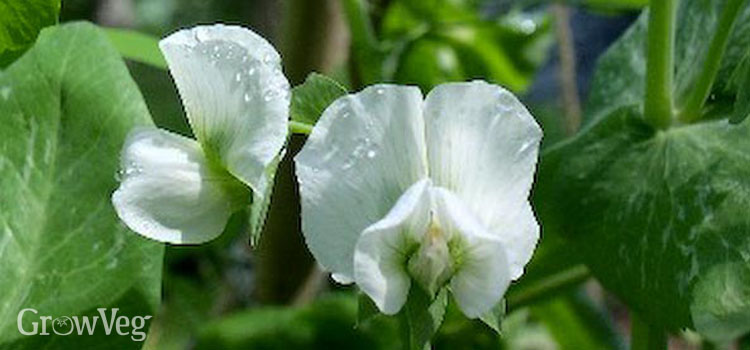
380,91
247,97
251,71
371,153
238,77
267,58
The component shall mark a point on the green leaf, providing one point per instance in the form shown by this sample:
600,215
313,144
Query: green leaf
66,107
421,317
137,46
654,214
311,98
21,21
494,318
742,103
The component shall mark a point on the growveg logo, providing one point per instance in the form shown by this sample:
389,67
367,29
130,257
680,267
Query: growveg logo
80,325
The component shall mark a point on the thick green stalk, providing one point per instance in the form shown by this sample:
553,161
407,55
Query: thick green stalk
658,107
644,336
300,128
691,111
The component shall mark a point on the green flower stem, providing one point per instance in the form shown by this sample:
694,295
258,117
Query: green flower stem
691,111
547,286
299,128
644,336
658,107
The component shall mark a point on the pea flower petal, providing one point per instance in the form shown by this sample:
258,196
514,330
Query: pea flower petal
444,204
384,247
482,145
363,154
235,96
482,273
168,192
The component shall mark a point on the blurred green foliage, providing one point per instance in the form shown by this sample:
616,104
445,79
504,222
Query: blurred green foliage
426,43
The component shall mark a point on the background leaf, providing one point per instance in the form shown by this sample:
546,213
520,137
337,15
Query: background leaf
21,21
137,46
655,213
66,107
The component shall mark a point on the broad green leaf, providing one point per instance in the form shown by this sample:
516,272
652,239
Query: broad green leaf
421,317
21,21
311,98
658,216
652,213
137,46
66,107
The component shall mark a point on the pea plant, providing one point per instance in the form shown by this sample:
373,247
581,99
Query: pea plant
425,190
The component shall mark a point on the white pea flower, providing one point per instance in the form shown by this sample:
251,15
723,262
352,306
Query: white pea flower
399,189
180,190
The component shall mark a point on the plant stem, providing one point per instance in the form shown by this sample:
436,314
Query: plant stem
691,111
644,336
547,286
300,128
571,102
658,107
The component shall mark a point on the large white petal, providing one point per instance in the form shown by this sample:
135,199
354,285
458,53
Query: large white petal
167,190
235,96
381,254
482,144
365,151
482,273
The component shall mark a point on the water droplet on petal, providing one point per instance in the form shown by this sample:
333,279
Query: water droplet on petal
380,91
